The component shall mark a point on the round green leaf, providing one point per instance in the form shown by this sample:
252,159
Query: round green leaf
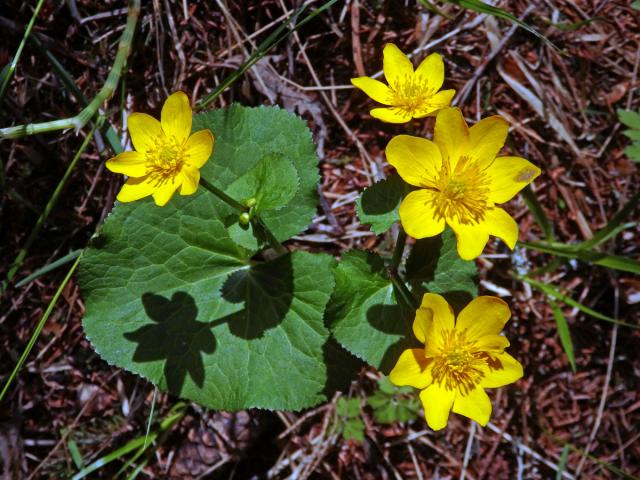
379,204
170,296
247,136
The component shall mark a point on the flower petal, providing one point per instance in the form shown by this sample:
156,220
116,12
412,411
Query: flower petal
451,134
487,138
143,130
437,402
416,159
190,180
476,405
396,65
471,238
199,148
412,368
437,102
418,216
502,225
176,116
431,69
391,115
491,343
375,89
436,318
483,316
163,194
508,176
510,371
135,189
132,164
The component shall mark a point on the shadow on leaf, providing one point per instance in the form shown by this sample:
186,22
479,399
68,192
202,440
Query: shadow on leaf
176,337
392,320
265,291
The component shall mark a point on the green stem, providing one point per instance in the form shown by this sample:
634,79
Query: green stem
403,289
399,249
17,263
8,74
36,333
223,196
273,241
81,119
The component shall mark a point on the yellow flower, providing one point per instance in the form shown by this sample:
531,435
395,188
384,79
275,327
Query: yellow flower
460,359
410,94
166,156
460,181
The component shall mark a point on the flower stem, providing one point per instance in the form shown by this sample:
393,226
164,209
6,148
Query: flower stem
402,288
399,249
275,244
223,196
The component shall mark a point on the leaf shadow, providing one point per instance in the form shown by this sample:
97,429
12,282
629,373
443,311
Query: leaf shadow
266,297
176,336
393,320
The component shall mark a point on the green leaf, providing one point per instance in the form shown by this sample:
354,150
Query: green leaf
394,404
633,152
353,429
378,205
271,183
248,136
636,5
348,407
632,134
564,333
537,211
364,314
171,297
434,266
629,118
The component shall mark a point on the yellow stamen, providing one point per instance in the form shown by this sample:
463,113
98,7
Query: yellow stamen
410,93
166,159
457,366
462,194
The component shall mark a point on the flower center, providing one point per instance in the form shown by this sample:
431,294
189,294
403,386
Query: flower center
166,159
410,93
463,194
457,364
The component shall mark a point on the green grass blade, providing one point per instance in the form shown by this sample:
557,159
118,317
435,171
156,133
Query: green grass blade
478,6
50,267
36,333
6,77
17,263
564,333
557,295
277,36
537,212
562,463
616,262
613,226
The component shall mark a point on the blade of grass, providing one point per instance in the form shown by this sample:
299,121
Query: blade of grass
478,6
277,36
17,263
614,226
82,118
616,262
8,74
175,415
562,463
36,332
50,267
564,333
537,212
557,295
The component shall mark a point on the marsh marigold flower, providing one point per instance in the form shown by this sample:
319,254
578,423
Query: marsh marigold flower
167,158
460,181
459,360
410,94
